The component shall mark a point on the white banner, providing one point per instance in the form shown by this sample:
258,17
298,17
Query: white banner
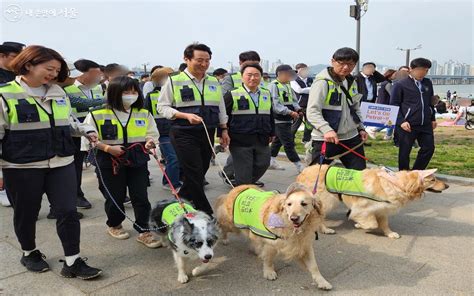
378,114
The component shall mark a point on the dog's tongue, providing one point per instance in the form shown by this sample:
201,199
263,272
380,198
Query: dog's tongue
205,261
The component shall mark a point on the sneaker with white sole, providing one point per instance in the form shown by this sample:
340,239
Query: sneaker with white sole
4,199
118,232
299,166
149,240
274,165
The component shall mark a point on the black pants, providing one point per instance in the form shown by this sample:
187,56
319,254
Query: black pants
79,157
26,188
350,160
296,125
250,163
194,155
136,180
284,137
424,135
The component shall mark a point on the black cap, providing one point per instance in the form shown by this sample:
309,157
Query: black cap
369,63
9,46
283,68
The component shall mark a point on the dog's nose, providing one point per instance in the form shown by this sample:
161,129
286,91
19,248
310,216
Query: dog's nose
208,257
294,218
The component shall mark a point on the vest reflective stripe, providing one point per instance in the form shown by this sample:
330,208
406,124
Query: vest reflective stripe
247,211
345,181
236,79
264,102
173,211
73,91
282,89
211,93
154,95
333,88
136,127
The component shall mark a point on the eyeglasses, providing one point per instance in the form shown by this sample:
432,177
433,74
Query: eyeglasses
348,64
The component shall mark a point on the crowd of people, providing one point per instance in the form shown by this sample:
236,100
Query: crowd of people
52,113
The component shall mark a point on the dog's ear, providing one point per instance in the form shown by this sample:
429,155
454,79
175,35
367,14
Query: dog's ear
392,178
188,226
294,187
426,173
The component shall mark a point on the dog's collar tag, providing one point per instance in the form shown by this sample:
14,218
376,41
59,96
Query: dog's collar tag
275,221
190,215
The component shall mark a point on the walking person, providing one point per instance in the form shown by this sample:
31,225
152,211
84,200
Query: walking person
193,101
367,80
36,128
416,117
285,110
301,86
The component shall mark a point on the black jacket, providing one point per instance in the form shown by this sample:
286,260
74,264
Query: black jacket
415,106
362,87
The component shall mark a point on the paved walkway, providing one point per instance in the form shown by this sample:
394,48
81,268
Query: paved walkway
434,256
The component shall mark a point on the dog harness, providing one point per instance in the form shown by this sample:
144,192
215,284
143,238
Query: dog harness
345,181
247,209
170,213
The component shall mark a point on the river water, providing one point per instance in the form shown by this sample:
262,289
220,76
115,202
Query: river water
463,90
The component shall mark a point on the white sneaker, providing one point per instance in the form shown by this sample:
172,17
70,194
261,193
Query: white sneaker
371,133
274,165
299,166
387,138
3,199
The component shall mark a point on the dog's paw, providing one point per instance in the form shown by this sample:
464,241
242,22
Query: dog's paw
328,231
393,235
183,278
324,285
270,275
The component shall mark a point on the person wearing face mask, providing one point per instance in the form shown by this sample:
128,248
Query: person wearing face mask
86,93
301,85
159,77
125,131
36,128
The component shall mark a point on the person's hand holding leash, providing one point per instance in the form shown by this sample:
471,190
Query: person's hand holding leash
363,135
331,137
93,138
116,150
193,118
150,144
224,139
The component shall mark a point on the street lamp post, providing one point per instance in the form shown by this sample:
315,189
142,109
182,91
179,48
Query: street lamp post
356,13
144,67
408,51
231,70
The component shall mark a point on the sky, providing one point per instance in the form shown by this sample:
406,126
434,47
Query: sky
156,32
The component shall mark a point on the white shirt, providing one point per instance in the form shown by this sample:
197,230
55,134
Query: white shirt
166,99
148,87
85,89
298,89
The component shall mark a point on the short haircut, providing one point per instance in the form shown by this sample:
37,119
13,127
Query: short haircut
389,73
346,54
189,50
300,66
144,76
420,63
369,63
251,64
35,55
249,56
84,65
112,67
115,90
403,67
182,67
219,71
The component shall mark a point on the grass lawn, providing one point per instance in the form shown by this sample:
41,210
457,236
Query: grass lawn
454,154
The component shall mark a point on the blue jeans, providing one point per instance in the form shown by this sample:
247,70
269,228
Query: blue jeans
389,130
172,164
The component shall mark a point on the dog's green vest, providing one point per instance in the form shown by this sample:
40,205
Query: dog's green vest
173,211
346,181
247,209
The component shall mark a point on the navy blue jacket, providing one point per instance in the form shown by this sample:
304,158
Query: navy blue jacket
415,106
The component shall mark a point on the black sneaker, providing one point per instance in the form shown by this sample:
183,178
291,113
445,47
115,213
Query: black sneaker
127,200
52,215
259,183
83,203
79,269
35,262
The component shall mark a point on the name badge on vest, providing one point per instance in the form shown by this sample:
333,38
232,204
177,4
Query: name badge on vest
212,88
265,98
187,94
243,104
61,102
139,122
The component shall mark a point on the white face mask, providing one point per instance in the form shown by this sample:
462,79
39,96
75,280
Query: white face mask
128,100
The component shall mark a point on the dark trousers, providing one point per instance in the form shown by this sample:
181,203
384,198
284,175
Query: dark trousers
26,188
284,137
79,157
136,180
350,160
250,163
296,125
194,155
424,135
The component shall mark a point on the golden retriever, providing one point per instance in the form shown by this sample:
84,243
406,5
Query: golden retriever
393,189
299,218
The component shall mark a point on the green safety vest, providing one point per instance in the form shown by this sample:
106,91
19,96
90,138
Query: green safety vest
346,181
248,118
73,91
247,210
162,123
236,79
285,94
173,211
187,98
111,131
32,134
263,84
